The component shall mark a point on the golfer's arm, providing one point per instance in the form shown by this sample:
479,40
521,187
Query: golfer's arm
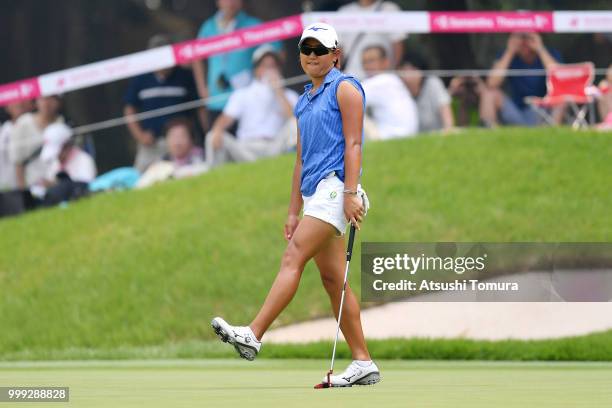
350,102
295,204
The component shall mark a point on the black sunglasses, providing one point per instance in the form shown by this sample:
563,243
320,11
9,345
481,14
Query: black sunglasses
318,50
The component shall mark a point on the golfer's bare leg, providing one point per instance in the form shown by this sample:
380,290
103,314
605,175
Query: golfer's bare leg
309,237
331,261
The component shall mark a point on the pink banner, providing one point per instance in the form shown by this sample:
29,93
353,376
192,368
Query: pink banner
405,21
19,91
490,22
583,21
106,71
280,29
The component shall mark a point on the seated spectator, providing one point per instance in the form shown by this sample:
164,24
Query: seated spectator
8,178
181,149
219,75
188,160
392,108
354,43
159,89
261,109
466,91
432,99
69,169
523,51
184,159
27,140
605,100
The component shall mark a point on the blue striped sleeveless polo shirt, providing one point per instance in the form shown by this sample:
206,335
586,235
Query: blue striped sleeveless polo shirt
321,137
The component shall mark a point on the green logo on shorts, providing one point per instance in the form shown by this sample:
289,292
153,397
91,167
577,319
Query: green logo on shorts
333,195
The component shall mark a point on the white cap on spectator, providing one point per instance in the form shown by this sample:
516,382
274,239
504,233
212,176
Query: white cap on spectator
54,136
261,51
322,32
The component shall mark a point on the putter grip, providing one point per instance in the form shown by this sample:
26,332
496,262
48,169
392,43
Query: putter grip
349,249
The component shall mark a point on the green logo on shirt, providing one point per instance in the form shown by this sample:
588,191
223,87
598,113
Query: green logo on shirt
333,195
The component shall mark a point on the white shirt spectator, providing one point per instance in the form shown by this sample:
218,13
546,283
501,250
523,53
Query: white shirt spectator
258,111
393,109
8,180
353,43
79,166
431,98
25,142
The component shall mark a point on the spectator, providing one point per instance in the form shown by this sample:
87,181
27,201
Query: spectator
466,90
432,99
8,178
159,89
69,169
262,110
523,51
184,159
181,149
229,71
605,100
392,108
27,140
354,43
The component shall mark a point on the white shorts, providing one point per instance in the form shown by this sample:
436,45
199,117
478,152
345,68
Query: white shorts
327,203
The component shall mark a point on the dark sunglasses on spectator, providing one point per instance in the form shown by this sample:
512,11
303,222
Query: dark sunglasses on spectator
318,50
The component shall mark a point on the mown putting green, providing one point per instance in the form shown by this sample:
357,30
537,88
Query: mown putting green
288,383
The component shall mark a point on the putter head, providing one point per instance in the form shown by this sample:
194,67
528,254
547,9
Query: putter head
321,386
325,384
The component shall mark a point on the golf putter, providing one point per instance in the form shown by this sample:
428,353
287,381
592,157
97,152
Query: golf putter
349,253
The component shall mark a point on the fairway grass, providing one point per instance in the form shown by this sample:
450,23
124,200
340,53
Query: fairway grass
288,383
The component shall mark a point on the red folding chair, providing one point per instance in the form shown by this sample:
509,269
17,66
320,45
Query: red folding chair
567,84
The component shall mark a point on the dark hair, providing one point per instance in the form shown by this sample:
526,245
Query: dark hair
415,59
272,54
180,121
379,47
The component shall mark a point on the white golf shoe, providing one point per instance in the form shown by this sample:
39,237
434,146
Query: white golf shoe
357,373
241,337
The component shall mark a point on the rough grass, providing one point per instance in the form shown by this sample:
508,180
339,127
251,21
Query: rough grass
149,268
591,347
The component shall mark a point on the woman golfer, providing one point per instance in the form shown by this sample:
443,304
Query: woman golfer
326,181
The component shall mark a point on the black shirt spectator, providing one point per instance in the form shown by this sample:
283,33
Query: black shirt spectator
158,90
